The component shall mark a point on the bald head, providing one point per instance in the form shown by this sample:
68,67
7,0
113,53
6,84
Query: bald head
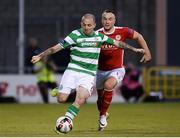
88,16
88,23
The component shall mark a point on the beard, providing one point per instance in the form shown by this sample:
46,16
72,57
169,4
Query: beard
109,28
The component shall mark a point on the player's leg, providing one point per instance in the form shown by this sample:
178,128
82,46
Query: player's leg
99,99
100,78
54,89
62,97
109,85
81,95
115,76
84,85
71,97
65,87
67,84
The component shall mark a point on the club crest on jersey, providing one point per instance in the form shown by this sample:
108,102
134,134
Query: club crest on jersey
118,37
61,87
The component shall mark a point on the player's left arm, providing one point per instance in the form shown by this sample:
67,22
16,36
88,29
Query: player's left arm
124,45
147,54
120,44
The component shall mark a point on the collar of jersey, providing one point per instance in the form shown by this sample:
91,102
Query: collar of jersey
81,31
108,33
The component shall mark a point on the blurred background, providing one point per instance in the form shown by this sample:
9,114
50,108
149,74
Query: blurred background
28,27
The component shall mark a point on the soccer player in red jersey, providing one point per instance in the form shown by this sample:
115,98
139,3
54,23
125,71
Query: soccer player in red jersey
110,68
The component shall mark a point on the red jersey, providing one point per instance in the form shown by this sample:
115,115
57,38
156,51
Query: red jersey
111,57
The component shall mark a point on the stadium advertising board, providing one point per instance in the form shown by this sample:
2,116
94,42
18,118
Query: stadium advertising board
23,88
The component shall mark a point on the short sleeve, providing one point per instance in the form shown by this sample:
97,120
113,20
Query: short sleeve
68,41
106,39
129,32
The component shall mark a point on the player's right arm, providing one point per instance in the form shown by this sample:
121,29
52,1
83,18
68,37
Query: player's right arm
67,42
47,52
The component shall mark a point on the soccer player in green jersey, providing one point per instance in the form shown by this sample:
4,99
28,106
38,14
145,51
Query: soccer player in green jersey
85,46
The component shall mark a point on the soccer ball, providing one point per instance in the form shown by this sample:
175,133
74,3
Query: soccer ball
64,124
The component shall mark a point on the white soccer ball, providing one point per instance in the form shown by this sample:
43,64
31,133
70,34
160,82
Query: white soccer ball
64,124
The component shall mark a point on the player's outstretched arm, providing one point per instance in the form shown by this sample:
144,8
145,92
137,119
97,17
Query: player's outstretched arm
124,45
47,52
147,54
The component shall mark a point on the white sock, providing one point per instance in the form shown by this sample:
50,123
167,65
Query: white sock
103,119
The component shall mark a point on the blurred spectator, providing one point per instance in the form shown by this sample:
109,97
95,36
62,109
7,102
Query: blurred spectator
45,72
131,89
3,90
31,50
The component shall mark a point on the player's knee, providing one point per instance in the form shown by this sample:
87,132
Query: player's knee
61,100
110,83
80,101
108,86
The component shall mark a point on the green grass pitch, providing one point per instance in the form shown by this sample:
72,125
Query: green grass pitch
126,120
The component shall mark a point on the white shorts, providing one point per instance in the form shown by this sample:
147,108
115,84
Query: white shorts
72,80
102,76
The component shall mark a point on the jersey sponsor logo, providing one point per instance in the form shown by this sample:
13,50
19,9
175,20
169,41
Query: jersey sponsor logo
89,41
108,47
118,37
92,39
89,44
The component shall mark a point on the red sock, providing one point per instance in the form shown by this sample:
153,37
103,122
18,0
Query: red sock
100,98
107,98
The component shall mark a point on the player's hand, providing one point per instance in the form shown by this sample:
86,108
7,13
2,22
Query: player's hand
146,57
35,59
140,50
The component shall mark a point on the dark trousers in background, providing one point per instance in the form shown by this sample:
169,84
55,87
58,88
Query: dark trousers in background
129,93
44,87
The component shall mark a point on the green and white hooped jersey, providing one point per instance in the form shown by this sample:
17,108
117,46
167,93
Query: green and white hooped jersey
85,50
